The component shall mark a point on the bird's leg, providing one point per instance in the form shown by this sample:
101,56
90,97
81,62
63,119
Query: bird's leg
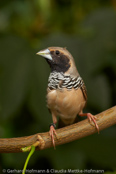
91,119
52,130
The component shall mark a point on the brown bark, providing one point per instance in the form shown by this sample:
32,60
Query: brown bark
64,135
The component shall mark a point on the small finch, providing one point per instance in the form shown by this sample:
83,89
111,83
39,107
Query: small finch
66,91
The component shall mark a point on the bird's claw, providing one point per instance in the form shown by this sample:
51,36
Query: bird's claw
52,132
92,119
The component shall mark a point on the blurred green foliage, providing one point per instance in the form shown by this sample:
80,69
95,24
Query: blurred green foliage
88,30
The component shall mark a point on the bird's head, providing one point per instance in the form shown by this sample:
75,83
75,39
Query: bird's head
59,59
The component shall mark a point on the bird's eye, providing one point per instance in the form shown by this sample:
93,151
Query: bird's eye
57,52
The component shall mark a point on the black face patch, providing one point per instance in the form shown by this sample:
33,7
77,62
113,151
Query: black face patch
60,62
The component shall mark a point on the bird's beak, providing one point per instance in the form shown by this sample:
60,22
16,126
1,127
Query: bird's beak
45,53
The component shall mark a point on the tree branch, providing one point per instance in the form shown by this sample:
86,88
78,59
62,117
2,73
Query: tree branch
64,135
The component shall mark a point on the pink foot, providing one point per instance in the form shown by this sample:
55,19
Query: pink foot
91,118
52,132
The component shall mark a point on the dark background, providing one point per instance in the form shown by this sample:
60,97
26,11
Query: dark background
88,30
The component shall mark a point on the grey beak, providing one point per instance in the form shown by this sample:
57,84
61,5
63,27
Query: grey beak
45,53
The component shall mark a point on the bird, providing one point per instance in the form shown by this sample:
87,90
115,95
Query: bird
66,92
